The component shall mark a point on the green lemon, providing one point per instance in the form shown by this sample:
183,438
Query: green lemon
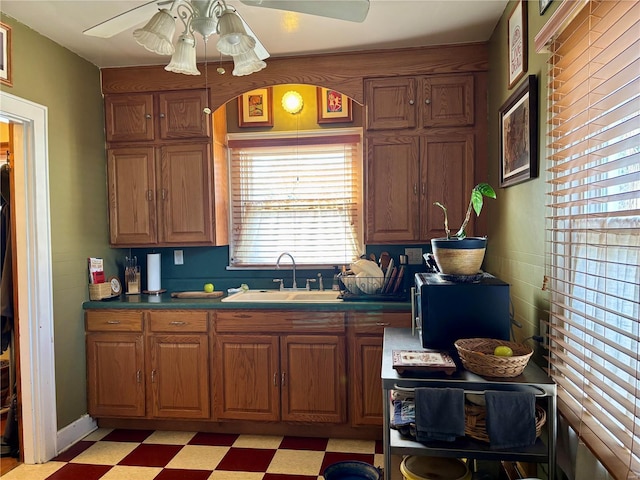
208,287
503,351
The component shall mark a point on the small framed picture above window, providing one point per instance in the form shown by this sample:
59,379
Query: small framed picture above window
255,108
333,107
5,54
517,43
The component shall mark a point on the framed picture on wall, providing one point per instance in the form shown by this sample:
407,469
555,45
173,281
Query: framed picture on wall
519,134
255,108
517,42
543,5
5,54
333,107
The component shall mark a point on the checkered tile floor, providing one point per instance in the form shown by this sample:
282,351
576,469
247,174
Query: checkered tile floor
159,455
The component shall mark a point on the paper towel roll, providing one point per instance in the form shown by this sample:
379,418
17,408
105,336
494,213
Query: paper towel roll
153,272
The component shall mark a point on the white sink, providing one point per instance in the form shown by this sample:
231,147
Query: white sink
304,296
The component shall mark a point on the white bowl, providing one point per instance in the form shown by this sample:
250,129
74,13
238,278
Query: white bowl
369,285
351,283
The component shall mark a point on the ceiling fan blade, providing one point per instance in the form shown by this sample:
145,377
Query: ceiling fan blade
350,10
261,52
125,20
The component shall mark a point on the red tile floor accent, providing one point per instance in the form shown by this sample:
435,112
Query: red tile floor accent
148,456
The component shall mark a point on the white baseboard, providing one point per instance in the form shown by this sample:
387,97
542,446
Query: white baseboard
74,432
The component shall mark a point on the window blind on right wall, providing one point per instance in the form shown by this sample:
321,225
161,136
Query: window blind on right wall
593,229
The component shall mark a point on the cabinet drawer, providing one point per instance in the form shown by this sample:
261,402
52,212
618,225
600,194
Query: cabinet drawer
252,321
113,321
178,321
376,322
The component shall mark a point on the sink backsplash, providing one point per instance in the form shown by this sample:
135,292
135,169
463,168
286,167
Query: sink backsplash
209,265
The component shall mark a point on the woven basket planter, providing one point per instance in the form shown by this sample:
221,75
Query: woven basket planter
477,356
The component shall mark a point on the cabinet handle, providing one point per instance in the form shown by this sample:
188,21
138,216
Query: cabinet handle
382,324
153,376
113,322
149,195
427,101
411,102
275,379
424,189
415,188
177,322
164,193
138,376
147,116
282,380
162,115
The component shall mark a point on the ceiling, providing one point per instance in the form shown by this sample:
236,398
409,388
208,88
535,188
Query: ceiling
389,24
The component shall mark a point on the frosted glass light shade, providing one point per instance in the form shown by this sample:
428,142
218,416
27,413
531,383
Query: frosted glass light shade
247,63
184,58
292,102
157,34
233,36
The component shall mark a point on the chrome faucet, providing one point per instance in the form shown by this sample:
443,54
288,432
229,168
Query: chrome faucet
294,286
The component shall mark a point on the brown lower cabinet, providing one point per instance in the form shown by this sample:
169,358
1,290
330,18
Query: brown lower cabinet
290,368
152,372
238,365
365,359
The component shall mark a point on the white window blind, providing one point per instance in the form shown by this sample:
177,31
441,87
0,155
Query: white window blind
593,229
299,194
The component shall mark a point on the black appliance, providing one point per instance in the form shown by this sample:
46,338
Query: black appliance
446,311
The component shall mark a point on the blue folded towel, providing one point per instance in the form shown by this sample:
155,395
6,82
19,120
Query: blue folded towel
439,414
511,419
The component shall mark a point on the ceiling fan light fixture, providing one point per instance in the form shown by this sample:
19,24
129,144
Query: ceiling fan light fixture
184,59
247,63
157,34
233,36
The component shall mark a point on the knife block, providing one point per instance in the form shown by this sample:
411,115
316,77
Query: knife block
133,284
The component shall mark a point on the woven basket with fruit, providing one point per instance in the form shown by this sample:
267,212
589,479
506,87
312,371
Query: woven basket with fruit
493,358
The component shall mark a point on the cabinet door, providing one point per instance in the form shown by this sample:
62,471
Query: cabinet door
132,196
447,169
365,355
115,375
392,186
182,115
246,377
129,117
185,202
448,101
179,366
391,103
312,375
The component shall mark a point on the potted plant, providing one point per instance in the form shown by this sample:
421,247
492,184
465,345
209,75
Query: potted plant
458,254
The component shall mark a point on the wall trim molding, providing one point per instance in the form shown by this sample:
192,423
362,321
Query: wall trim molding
75,431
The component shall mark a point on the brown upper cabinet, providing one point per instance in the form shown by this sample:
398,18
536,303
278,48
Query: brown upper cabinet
162,170
162,116
396,103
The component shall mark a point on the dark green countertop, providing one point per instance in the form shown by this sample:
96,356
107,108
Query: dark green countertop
165,301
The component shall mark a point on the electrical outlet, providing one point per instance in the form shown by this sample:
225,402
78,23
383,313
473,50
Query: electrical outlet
178,257
414,255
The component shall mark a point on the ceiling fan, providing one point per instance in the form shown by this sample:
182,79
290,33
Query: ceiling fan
207,17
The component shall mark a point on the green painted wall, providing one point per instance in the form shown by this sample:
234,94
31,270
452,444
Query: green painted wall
47,74
516,221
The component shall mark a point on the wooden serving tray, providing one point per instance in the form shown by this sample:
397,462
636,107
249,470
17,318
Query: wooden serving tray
197,294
